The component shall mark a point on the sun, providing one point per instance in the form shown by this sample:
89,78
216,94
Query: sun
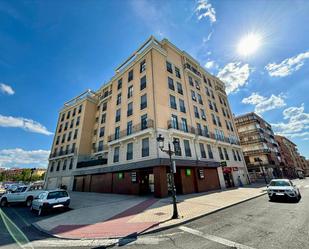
249,44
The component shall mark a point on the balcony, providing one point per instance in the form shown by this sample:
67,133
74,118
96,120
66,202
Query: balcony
252,131
91,163
257,152
135,128
105,95
253,141
220,89
199,132
63,153
192,69
98,149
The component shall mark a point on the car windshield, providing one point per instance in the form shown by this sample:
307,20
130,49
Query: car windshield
280,183
42,196
57,194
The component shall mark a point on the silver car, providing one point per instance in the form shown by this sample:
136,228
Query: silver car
283,188
49,200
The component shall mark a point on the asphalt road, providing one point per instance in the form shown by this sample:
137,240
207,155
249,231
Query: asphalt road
254,224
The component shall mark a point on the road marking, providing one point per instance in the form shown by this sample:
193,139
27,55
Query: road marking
19,237
215,238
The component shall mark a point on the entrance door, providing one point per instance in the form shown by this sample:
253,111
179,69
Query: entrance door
144,188
228,178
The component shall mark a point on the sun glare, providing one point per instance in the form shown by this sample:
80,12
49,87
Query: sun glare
249,44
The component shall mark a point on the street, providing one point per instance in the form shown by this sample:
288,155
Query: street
253,224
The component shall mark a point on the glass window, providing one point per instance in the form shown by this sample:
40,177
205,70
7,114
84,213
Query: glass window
170,83
202,149
104,106
142,66
129,151
118,113
130,91
77,121
143,82
173,102
103,118
130,109
206,131
193,95
199,129
187,148
178,150
210,105
130,75
226,154
179,88
210,154
196,113
100,148
190,81
238,155
219,122
116,155
174,122
177,72
102,131
117,132
214,121
215,107
144,122
129,128
184,126
203,114
234,155
119,85
182,106
75,134
220,153
199,97
118,99
145,147
169,67
143,101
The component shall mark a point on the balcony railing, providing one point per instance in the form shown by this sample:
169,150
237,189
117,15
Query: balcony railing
255,152
63,153
252,141
192,69
199,132
135,128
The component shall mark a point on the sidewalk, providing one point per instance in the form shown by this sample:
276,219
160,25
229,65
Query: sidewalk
112,216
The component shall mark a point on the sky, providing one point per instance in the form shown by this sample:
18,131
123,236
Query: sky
52,50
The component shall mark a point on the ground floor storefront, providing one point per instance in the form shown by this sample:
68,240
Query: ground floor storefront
150,181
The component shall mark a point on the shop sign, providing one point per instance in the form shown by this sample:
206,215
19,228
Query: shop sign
201,173
188,172
133,177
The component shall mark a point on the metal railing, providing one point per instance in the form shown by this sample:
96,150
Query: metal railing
63,153
259,151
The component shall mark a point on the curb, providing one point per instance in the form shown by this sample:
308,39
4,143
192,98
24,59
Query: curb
145,232
200,216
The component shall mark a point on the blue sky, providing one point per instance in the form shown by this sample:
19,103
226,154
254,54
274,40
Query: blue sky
51,47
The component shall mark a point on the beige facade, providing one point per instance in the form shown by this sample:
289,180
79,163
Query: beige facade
158,90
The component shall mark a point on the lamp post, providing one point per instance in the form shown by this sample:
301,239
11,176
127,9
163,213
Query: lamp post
169,151
260,163
32,170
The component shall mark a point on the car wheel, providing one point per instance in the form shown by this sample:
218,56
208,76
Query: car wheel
4,202
29,201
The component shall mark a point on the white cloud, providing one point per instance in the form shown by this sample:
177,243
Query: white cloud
26,124
204,9
297,124
22,158
263,104
210,64
6,89
287,66
234,75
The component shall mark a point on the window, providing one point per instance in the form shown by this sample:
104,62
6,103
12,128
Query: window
57,140
210,105
100,147
212,94
206,131
118,99
73,148
210,154
213,119
62,117
199,129
234,155
103,118
75,134
227,113
64,166
202,149
231,126
174,122
143,82
129,151
71,163
130,91
196,113
193,95
203,114
117,132
191,81
60,128
209,82
179,88
177,72
58,166
74,112
220,153
215,106
177,150
68,114
80,108
199,97
144,122
116,155
104,106
184,126
238,155
226,154
118,113
130,109
72,123
52,167
187,148
143,101
119,85
182,106
142,66
67,149
207,91
197,85
145,147
66,126
170,83
219,122
130,75
129,128
102,131
77,121
169,67
69,136
173,102
227,125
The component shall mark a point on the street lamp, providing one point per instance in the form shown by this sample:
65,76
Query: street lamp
160,140
260,163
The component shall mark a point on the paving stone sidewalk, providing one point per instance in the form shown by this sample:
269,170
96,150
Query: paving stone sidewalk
113,216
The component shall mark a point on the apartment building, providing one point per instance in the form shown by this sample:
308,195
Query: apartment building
106,139
260,149
290,158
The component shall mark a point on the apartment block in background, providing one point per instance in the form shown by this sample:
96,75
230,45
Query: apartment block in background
106,139
260,149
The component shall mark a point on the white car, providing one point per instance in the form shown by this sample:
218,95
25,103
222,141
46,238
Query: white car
21,194
49,200
283,188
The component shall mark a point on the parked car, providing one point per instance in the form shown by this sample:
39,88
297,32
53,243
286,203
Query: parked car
22,194
49,200
283,188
